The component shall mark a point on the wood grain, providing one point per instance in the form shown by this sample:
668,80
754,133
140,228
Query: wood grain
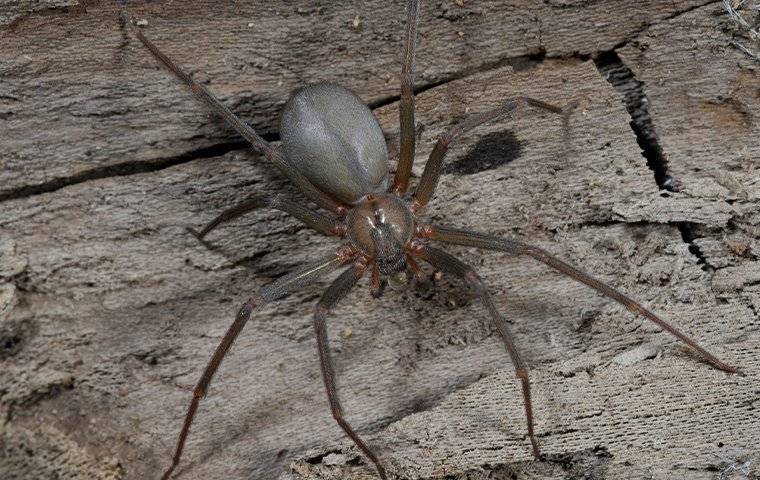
109,309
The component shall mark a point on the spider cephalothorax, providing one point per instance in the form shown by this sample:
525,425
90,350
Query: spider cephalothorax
335,153
380,227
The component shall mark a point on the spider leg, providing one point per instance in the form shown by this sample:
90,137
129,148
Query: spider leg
259,144
377,284
392,140
337,290
419,275
514,247
406,104
279,288
450,264
434,165
315,220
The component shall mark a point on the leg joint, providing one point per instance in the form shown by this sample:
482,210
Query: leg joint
473,280
337,414
247,308
199,392
321,310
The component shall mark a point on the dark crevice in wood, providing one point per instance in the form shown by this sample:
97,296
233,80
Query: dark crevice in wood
122,169
754,310
647,26
687,10
687,234
622,78
12,21
519,63
318,458
617,73
592,462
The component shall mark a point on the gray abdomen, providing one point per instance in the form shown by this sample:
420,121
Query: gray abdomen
333,138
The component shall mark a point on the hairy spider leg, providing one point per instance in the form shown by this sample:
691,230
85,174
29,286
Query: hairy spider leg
259,144
314,220
450,264
434,165
514,247
277,289
406,104
337,290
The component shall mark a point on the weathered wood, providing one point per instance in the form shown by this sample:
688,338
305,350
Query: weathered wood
81,100
695,78
109,309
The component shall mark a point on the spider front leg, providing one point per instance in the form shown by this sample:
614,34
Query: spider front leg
434,165
490,242
337,290
315,220
406,103
257,142
450,264
277,289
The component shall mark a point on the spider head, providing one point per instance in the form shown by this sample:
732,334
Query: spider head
380,227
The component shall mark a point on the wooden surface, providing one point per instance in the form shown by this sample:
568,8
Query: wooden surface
109,309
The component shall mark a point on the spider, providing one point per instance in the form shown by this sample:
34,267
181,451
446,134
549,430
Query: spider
334,151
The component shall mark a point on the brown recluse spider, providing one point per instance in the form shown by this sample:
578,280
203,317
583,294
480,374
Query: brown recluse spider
335,153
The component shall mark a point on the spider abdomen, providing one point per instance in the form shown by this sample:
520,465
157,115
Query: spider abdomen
333,138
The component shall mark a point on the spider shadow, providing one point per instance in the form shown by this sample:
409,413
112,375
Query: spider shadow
429,336
491,151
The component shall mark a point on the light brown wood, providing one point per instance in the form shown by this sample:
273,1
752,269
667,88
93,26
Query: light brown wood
109,309
78,90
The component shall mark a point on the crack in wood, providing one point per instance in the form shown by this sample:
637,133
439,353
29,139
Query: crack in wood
622,78
11,20
122,169
519,63
612,68
647,26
